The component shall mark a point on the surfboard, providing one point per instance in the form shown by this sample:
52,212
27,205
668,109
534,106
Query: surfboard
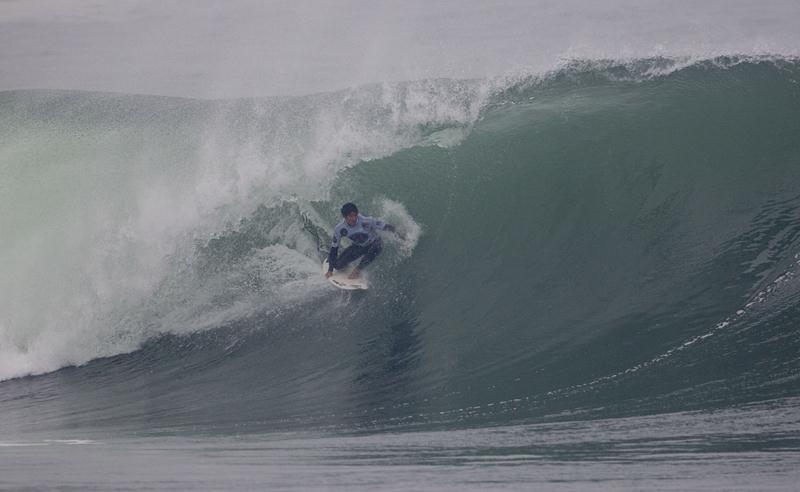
339,278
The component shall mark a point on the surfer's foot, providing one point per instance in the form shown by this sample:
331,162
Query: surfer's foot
355,274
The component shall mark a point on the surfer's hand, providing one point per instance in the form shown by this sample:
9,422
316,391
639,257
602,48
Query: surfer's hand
328,274
354,274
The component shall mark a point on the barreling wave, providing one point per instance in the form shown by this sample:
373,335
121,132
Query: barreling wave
608,238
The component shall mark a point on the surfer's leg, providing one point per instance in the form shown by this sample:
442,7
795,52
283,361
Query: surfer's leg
372,251
348,256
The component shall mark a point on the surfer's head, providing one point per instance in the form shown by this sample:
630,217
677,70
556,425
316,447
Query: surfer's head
349,208
350,213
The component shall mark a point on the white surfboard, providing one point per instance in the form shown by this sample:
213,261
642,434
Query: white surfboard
339,277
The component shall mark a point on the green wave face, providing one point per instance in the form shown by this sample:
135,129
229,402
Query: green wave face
611,238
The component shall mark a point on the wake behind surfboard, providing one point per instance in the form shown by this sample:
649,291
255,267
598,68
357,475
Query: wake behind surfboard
339,278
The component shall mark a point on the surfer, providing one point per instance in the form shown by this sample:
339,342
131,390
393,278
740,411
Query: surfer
362,231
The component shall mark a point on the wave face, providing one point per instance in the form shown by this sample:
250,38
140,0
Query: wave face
606,239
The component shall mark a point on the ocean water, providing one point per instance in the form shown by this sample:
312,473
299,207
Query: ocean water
597,287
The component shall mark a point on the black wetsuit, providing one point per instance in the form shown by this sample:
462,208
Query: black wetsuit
365,239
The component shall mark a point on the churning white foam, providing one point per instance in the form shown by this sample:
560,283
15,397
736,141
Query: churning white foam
116,205
408,231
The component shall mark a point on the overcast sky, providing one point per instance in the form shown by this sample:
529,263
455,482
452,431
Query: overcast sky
211,48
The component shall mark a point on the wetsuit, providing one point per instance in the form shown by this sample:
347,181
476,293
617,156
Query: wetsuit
364,236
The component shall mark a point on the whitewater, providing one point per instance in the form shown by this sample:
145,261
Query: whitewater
597,283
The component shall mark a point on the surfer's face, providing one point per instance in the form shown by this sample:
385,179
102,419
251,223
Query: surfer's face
351,218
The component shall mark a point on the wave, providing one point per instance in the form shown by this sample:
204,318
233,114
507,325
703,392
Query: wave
610,237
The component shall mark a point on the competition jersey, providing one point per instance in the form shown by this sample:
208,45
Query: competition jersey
362,234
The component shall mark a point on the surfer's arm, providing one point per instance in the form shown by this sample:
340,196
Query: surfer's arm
334,249
332,257
390,228
381,225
